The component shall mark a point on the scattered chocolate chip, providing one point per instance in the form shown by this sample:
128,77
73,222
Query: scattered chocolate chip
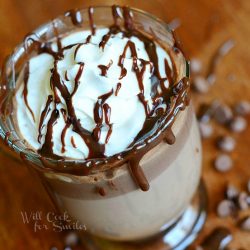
195,65
199,248
200,85
206,130
231,77
174,24
225,208
223,163
226,143
232,192
248,200
211,79
71,239
219,238
248,186
205,112
245,223
101,191
242,108
242,201
238,124
223,114
67,248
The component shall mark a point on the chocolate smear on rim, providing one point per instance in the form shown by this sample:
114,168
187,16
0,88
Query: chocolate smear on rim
158,122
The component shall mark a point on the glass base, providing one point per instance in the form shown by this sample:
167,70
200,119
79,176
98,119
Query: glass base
178,236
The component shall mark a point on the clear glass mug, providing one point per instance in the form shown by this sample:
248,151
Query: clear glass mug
109,203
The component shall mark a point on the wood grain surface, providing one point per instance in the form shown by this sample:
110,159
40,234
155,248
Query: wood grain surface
205,25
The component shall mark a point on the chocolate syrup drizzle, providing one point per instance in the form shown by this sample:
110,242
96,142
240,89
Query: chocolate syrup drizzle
75,16
217,240
25,89
157,126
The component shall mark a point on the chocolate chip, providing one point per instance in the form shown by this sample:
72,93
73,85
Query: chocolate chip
248,200
71,239
205,111
242,108
242,201
200,84
223,163
223,114
231,77
226,143
199,248
195,65
238,124
225,208
248,186
174,24
232,192
206,130
211,79
245,223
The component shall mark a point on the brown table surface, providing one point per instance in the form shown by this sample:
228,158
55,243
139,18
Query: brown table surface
205,25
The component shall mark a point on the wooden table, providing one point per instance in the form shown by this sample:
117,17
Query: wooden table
205,25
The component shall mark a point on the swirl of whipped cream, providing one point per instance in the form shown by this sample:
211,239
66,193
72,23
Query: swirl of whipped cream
104,91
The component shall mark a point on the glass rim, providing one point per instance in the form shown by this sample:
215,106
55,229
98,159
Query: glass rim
36,157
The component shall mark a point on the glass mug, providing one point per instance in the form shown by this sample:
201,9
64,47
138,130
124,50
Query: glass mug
108,202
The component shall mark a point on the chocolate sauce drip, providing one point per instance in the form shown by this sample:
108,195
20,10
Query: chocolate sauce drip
63,136
72,141
43,116
107,114
58,39
75,16
6,138
118,87
76,50
47,147
141,97
104,40
171,74
98,114
128,20
115,14
217,240
104,69
137,173
66,76
25,89
169,136
91,20
78,75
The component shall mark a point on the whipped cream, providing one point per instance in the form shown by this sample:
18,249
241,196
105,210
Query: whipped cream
96,71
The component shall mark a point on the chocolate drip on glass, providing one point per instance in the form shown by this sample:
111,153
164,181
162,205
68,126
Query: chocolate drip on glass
75,16
91,20
25,89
